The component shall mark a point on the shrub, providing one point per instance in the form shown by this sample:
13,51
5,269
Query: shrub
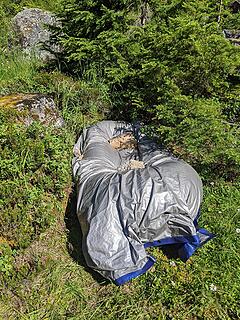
34,173
171,71
199,132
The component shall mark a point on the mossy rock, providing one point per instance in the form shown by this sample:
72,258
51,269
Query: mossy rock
33,107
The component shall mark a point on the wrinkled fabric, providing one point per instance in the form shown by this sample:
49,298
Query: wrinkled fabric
122,213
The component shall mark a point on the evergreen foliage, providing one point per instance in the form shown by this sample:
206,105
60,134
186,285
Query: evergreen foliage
172,70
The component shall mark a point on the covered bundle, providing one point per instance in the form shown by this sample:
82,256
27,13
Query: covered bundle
133,197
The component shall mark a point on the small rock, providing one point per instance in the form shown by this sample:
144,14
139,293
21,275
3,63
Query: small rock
213,287
31,29
34,107
135,164
233,36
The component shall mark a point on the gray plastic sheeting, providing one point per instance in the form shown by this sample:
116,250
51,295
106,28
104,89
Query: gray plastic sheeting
123,212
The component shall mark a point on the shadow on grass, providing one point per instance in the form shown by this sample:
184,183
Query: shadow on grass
74,243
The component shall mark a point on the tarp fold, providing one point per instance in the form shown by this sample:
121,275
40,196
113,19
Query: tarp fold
123,212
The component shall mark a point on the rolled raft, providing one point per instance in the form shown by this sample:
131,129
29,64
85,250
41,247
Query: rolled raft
122,211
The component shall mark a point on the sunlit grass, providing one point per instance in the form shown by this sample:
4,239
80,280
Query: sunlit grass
206,287
17,72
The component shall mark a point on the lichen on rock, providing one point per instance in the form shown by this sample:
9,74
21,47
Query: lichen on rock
31,28
33,107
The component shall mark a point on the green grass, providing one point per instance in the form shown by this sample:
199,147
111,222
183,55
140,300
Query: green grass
17,73
61,287
81,102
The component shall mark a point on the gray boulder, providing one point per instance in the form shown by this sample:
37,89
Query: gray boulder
31,107
32,33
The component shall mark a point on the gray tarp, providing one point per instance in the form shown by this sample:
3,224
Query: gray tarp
123,212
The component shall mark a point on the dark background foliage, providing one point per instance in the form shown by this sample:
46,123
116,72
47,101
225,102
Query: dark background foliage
173,70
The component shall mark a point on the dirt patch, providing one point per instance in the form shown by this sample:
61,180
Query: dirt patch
124,141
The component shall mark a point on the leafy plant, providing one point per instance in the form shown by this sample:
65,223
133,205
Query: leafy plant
34,174
171,72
